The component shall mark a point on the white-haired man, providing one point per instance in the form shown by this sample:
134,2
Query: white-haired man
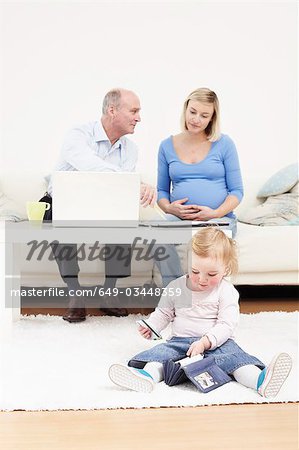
100,146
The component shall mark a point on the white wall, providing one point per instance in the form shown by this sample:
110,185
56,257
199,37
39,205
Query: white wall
59,59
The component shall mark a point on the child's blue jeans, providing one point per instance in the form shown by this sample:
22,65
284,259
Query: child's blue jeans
229,356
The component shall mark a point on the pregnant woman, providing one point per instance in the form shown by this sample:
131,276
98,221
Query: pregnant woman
199,175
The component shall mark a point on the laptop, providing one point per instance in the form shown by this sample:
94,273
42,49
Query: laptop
183,224
95,199
164,223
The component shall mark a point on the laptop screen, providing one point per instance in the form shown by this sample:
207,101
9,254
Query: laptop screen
86,197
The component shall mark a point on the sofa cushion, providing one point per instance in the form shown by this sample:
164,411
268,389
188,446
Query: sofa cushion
295,189
10,210
276,210
22,187
282,181
267,249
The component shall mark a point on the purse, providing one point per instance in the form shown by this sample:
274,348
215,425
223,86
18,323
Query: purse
204,374
173,373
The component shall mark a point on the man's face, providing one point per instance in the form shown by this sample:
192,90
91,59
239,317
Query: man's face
127,114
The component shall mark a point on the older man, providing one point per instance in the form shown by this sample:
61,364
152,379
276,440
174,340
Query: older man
100,146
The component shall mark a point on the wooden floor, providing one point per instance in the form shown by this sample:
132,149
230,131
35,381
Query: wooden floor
234,427
247,306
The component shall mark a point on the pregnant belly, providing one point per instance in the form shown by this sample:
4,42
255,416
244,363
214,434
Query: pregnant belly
200,192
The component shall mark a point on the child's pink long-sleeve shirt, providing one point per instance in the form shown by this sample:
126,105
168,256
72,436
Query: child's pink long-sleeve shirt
214,313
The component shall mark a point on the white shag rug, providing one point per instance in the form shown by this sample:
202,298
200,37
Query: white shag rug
52,365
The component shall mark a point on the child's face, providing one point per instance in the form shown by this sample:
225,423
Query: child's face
206,273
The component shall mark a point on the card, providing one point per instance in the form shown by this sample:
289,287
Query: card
155,334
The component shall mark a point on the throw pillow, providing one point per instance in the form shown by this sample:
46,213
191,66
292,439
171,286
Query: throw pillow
10,210
280,182
295,189
276,210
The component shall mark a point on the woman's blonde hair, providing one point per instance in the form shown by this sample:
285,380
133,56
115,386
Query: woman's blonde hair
212,242
205,95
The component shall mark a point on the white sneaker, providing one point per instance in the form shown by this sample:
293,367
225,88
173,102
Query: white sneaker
275,375
130,378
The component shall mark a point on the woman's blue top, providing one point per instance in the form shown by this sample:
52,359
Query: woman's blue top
206,183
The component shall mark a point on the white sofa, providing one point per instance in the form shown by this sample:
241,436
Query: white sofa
267,255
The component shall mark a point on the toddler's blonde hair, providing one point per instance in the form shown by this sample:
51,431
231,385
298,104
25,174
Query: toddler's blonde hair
214,243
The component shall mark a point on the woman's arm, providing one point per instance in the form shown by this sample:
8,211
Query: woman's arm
163,179
206,213
234,185
176,208
164,204
229,204
233,175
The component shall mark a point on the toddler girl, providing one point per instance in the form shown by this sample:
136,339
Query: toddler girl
204,318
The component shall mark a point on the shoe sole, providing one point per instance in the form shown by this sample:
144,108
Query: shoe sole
74,320
276,375
124,377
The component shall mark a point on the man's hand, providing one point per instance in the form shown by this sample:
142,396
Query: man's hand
145,332
198,347
148,195
177,208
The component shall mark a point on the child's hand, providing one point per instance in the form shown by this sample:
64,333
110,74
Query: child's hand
199,347
196,348
145,332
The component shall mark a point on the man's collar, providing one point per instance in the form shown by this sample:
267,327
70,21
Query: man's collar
100,134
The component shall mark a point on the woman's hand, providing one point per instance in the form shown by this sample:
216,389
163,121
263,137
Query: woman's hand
145,332
204,213
177,208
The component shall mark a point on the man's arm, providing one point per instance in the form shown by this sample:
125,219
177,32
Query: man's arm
79,154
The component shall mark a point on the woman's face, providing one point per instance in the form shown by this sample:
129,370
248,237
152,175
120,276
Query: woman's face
198,116
205,273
